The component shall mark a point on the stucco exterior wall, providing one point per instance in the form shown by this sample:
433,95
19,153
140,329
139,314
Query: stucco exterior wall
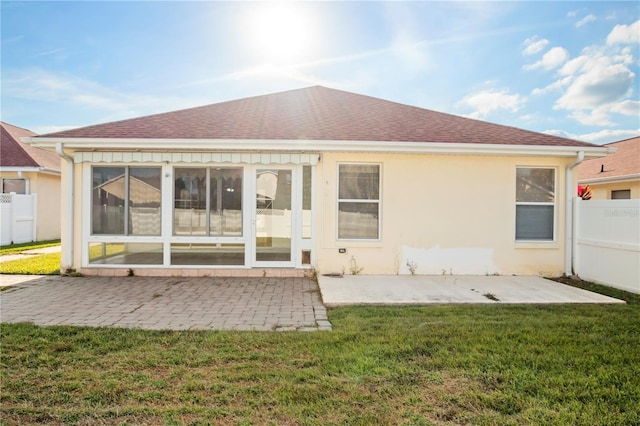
445,214
49,201
47,186
602,191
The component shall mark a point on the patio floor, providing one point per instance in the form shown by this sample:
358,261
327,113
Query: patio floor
434,289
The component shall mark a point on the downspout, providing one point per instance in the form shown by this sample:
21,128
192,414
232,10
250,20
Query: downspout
568,223
67,255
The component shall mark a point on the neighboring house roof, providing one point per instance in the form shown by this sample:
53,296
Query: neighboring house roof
624,164
16,154
315,113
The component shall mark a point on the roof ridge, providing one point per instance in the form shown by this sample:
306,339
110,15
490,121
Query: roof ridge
455,116
4,123
124,120
315,113
623,140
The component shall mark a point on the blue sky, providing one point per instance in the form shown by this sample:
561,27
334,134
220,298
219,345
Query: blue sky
565,68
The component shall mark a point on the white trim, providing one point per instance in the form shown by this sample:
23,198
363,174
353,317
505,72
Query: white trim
186,157
540,203
30,170
295,211
610,179
315,145
348,200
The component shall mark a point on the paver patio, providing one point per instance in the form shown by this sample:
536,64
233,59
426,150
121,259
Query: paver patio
173,303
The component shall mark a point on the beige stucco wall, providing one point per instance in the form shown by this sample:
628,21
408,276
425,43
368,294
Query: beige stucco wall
602,191
47,187
446,214
451,214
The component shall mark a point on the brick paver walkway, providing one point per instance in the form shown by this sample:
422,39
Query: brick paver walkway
172,303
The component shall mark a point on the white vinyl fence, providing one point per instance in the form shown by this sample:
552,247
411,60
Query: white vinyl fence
18,218
608,242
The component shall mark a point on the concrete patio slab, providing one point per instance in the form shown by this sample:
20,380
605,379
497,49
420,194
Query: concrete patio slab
428,289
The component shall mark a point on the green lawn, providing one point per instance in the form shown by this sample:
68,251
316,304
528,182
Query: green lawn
19,248
45,264
486,365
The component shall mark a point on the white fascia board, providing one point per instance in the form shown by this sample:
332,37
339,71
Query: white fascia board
316,146
610,179
29,170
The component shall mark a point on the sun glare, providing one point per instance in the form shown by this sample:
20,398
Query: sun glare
280,32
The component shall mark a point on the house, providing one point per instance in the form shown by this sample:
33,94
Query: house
35,172
315,178
616,176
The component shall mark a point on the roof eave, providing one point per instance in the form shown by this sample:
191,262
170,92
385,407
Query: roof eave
29,170
610,179
306,145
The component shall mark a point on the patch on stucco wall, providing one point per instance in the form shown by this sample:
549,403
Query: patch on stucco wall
456,261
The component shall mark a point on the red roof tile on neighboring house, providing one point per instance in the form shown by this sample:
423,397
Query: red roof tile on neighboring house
14,153
624,162
315,113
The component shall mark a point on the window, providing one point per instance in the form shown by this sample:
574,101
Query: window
126,201
19,186
208,201
535,204
621,194
359,201
306,202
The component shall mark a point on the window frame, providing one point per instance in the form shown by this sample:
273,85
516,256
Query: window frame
626,191
378,201
208,235
537,203
126,202
24,180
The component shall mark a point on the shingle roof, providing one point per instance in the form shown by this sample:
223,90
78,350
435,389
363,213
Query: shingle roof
14,153
315,113
624,162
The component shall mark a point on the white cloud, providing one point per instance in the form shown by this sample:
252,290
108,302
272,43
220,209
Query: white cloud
600,137
586,20
628,107
555,57
533,45
594,117
625,34
556,85
597,84
61,89
602,84
489,101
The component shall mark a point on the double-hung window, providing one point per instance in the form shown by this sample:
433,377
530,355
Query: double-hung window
535,203
359,201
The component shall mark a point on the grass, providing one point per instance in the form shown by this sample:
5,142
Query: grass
19,248
484,365
45,264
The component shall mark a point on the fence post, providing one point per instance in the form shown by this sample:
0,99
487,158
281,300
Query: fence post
575,258
13,216
34,215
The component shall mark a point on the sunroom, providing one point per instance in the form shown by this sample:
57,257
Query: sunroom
197,210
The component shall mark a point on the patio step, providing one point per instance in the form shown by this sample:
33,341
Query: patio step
193,272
